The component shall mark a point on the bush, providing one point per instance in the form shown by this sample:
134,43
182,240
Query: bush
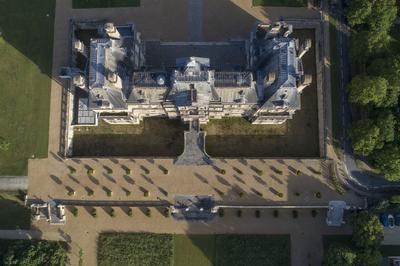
241,194
258,213
297,194
221,212
71,192
165,171
75,211
109,193
318,195
239,213
72,170
146,193
128,171
109,171
127,193
167,212
298,172
94,212
222,171
130,212
280,194
90,171
148,212
90,192
112,213
295,214
276,213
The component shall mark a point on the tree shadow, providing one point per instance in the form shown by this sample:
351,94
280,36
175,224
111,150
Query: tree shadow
110,178
129,180
56,179
201,178
148,179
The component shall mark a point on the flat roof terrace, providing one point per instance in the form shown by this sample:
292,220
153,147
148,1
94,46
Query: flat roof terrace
229,55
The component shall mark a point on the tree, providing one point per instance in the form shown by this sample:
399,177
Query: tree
369,257
388,68
4,144
386,122
365,90
358,11
367,230
364,135
35,253
382,16
387,160
339,255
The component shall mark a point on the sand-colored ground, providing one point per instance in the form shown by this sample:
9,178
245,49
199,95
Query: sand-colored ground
168,21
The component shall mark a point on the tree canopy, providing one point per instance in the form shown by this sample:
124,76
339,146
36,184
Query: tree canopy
364,136
373,19
365,90
339,255
367,230
358,11
388,68
35,253
387,160
386,122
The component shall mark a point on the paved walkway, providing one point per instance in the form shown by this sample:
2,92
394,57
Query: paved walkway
13,182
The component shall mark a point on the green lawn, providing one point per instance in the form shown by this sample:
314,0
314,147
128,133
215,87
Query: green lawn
26,46
291,3
104,3
13,213
194,250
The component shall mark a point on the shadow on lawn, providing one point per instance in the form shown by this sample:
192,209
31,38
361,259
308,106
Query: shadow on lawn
27,25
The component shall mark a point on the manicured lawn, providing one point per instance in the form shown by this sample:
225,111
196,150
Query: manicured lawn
153,137
292,3
252,250
104,3
194,250
135,249
13,213
32,252
26,48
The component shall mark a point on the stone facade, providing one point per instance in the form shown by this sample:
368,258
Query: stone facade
116,85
